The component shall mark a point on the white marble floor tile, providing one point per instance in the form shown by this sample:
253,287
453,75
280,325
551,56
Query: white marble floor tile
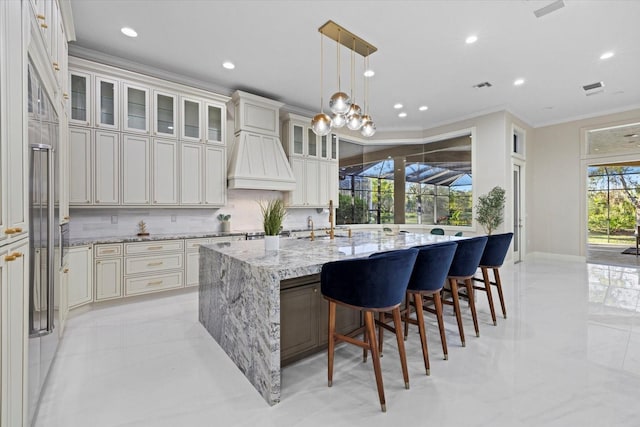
567,355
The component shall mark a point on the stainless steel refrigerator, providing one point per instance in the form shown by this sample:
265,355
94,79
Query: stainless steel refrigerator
43,273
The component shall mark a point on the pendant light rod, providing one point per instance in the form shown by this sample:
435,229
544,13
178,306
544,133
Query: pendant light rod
321,75
338,60
334,31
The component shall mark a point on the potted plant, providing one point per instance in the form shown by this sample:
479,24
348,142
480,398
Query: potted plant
225,224
273,213
490,209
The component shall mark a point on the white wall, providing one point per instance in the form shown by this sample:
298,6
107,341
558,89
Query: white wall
556,192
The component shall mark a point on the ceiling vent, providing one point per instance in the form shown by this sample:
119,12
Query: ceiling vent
483,84
551,7
593,88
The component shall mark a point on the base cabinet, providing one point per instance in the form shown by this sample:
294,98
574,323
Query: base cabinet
108,278
80,286
304,319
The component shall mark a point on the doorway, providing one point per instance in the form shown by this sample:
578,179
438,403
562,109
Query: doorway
518,211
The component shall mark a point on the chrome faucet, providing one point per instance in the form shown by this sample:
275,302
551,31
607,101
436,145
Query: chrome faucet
332,224
309,222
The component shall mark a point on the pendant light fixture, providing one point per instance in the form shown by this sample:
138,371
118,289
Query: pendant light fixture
321,123
343,106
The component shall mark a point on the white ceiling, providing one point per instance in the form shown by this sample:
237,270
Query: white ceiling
422,57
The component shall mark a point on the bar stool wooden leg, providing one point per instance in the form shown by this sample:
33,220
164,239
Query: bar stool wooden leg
417,300
381,318
456,307
369,322
397,325
437,301
472,305
407,311
496,274
365,352
332,330
487,287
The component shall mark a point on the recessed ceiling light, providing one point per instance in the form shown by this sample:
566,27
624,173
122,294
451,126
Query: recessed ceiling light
369,73
471,39
606,55
518,82
129,32
423,108
228,65
403,114
397,106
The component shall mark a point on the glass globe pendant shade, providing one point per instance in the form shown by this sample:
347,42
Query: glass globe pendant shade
369,127
339,103
321,124
338,121
354,117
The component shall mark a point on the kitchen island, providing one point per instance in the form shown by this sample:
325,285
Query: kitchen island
240,292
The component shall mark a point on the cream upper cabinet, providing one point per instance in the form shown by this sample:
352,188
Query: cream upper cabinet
80,166
165,172
191,173
135,114
214,121
164,108
215,176
106,103
299,139
106,168
80,286
136,170
296,198
191,128
80,84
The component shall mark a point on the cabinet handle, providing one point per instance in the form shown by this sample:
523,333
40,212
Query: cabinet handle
108,251
18,230
9,258
16,254
66,270
40,16
43,25
98,262
66,217
154,248
157,282
10,231
65,95
153,264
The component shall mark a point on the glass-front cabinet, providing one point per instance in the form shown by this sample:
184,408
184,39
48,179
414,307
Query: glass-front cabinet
312,143
106,103
297,142
191,120
136,108
80,99
165,114
214,121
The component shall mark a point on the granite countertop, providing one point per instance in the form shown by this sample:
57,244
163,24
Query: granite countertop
300,256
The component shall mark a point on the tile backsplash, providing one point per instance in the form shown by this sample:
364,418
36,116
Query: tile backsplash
242,205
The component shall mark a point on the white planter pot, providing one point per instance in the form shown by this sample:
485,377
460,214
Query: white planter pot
271,243
225,226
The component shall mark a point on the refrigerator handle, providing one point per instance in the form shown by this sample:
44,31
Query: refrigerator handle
50,242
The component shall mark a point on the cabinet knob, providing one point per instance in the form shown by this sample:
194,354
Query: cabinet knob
66,217
43,25
40,16
65,95
66,270
315,290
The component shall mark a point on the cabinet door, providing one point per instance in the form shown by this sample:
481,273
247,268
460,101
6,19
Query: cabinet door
14,306
165,172
165,114
347,320
136,155
106,168
334,147
80,289
297,140
297,197
191,181
324,182
136,109
63,166
63,295
325,151
79,166
214,121
312,184
108,278
191,116
312,143
106,103
298,320
80,99
192,271
334,186
215,176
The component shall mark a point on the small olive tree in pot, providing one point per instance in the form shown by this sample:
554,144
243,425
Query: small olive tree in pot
490,209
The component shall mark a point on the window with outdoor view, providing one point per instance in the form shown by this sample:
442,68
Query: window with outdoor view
432,179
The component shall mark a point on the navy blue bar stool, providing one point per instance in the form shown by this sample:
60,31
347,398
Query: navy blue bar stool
463,267
492,258
428,277
373,284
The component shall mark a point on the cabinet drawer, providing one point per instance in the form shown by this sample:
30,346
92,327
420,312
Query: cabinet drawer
150,247
146,284
111,250
194,244
151,264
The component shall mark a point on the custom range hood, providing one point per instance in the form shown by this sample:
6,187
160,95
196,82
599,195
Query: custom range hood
257,159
